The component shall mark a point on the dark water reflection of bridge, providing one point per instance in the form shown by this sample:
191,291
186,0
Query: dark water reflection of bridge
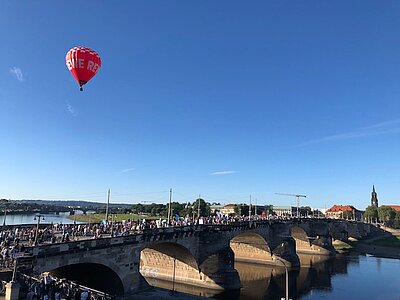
268,282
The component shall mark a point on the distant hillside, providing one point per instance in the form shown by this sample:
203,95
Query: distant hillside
81,203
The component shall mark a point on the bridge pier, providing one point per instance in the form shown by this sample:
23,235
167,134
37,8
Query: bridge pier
218,270
286,251
12,291
134,282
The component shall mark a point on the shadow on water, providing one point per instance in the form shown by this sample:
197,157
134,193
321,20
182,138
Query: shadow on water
184,288
268,282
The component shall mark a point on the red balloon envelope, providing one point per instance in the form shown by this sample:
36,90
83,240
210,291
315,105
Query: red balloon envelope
83,63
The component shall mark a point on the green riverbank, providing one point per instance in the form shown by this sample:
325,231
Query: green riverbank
97,218
384,246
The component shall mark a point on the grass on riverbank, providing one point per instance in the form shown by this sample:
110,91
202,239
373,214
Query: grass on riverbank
389,241
97,218
341,246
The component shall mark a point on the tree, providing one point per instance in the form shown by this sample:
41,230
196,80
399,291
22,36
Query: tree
236,209
243,209
269,209
305,211
386,214
396,221
371,214
178,209
348,215
205,209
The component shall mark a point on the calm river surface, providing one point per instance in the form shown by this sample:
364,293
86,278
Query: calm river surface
28,218
352,276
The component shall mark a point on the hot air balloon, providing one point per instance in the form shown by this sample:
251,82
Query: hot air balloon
83,63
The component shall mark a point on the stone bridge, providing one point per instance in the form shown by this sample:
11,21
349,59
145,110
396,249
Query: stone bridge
201,255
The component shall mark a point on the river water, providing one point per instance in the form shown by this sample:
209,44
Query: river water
29,218
350,276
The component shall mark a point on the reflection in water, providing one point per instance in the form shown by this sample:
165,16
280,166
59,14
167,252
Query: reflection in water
268,282
180,287
318,276
263,281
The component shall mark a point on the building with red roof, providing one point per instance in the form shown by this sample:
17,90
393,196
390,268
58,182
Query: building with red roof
395,207
338,212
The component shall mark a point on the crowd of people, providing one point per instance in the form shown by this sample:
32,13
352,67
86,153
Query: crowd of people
15,239
47,287
56,233
216,219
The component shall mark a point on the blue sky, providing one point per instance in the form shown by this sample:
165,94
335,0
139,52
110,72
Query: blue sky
218,98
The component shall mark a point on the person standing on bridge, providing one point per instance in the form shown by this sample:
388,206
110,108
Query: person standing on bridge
84,295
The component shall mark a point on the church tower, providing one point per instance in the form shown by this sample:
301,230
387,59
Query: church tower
374,197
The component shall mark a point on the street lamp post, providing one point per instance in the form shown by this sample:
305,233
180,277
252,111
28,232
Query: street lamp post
5,216
37,217
14,275
173,278
287,276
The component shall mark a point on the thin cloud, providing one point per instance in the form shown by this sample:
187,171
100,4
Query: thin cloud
17,72
387,127
127,170
222,173
70,109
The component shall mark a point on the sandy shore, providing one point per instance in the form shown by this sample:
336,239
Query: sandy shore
367,245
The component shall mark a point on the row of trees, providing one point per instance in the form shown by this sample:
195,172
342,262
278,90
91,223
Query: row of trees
383,214
19,207
199,206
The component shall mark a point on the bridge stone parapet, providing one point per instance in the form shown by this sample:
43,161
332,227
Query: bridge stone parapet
343,230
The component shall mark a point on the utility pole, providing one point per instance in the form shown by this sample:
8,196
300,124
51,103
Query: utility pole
37,218
198,207
108,204
250,209
169,206
5,215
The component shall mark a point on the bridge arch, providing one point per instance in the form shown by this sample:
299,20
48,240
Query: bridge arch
301,238
93,275
161,262
251,247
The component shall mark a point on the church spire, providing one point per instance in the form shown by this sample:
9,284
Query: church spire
374,197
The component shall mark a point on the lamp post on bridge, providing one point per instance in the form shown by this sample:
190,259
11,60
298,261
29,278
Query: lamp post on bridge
287,277
5,216
37,217
173,278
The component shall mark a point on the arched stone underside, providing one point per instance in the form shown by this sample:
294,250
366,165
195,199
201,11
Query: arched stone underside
251,247
96,276
303,244
321,245
162,263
